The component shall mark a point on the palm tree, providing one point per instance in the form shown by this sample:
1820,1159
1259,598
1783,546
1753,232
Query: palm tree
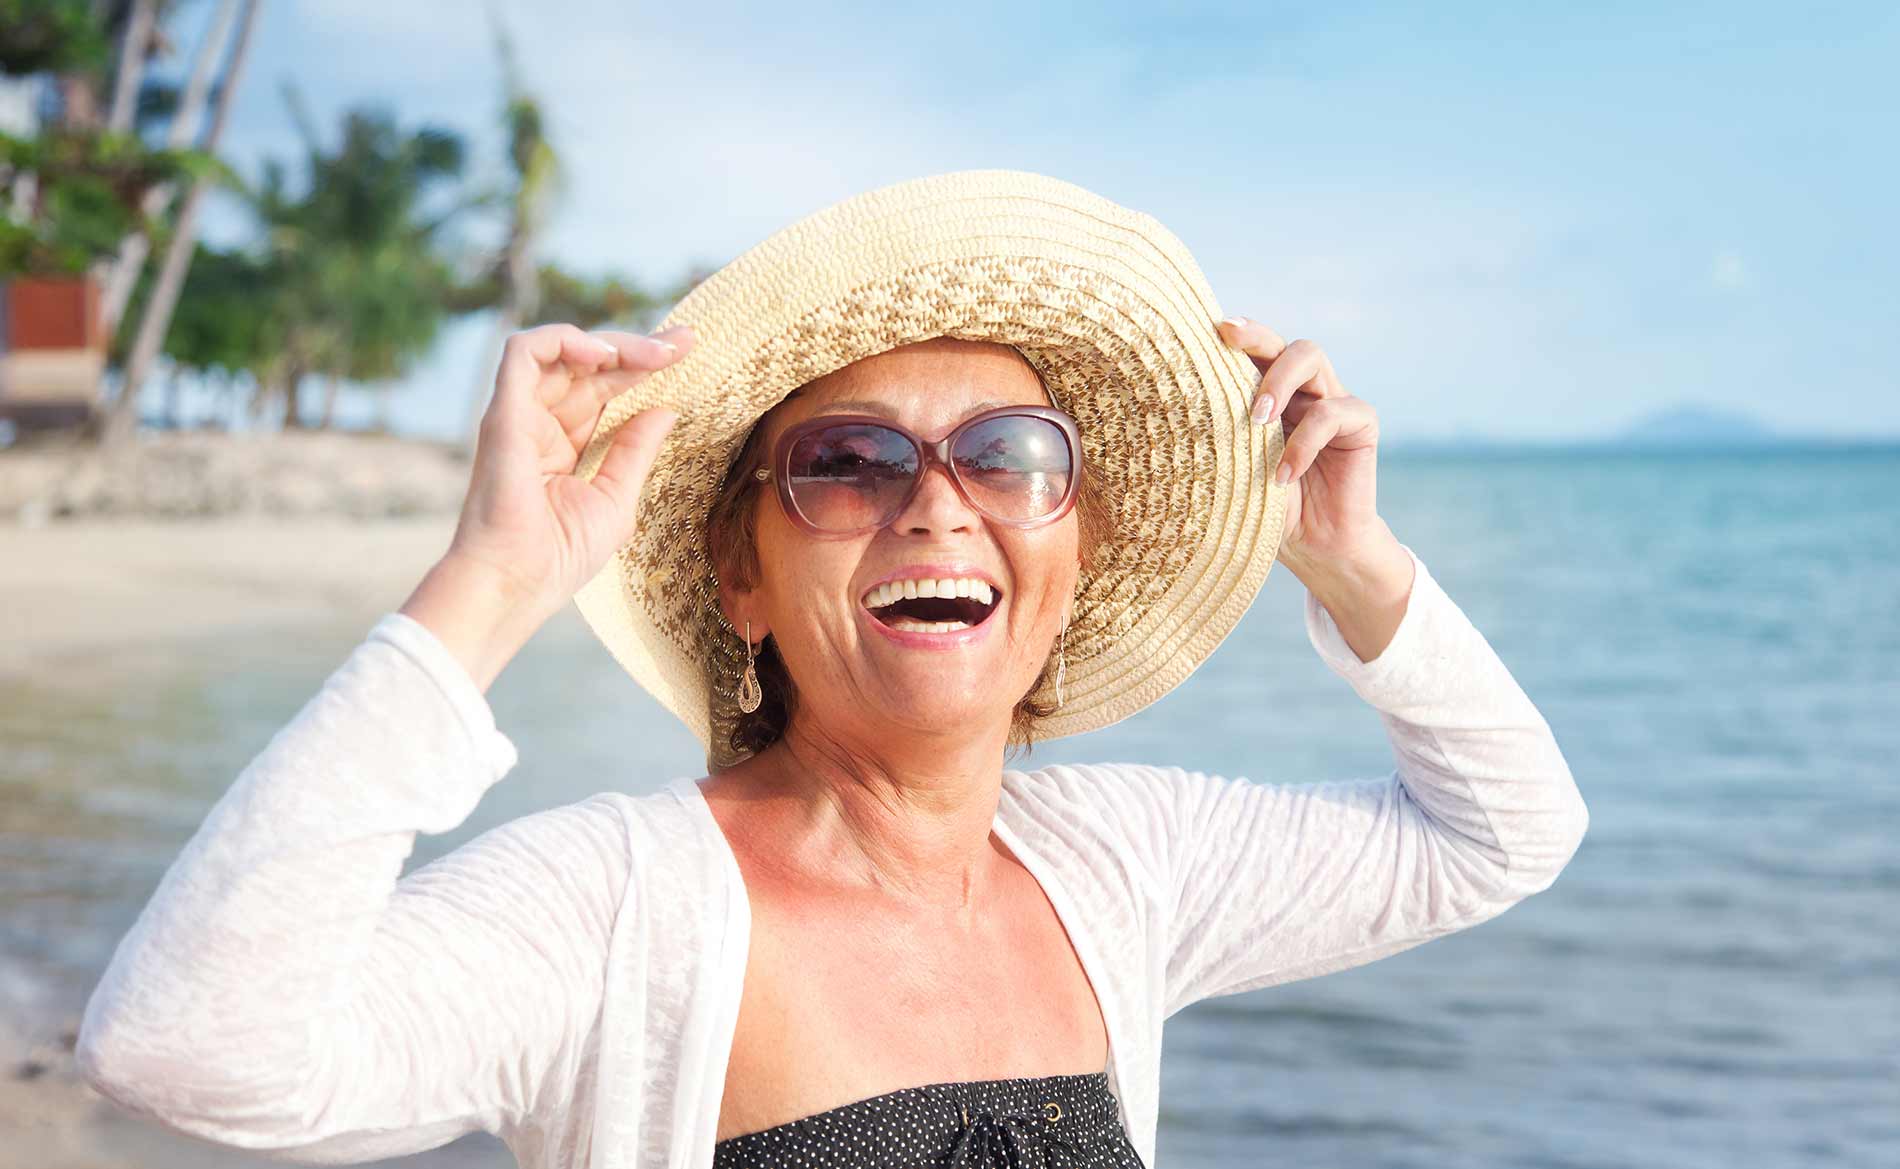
123,272
348,278
86,173
536,174
517,287
122,419
352,280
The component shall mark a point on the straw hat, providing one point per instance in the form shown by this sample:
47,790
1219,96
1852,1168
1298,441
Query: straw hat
1103,301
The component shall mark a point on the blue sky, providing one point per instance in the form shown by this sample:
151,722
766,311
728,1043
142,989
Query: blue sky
1540,221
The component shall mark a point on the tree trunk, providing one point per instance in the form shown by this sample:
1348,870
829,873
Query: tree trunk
133,49
260,397
330,386
293,403
157,318
123,274
78,101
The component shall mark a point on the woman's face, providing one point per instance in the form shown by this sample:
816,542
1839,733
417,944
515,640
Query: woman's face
860,672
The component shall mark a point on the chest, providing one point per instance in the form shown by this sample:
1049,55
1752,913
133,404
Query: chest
848,996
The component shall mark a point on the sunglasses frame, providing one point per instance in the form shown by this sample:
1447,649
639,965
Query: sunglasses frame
928,452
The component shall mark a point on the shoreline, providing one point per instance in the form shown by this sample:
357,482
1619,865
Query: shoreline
79,593
188,533
98,596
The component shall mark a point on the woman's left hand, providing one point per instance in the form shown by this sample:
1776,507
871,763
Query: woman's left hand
1330,459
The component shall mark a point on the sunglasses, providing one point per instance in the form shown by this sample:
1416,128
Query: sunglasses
848,474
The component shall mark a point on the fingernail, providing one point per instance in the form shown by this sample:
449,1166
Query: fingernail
1283,473
1263,408
666,345
1236,322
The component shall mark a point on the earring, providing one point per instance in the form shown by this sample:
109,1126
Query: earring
1062,658
750,694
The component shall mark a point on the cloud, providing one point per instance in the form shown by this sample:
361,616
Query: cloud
1411,223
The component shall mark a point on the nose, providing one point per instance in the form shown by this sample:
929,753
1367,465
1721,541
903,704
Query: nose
937,507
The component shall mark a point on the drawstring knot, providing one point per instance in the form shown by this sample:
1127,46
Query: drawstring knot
995,1140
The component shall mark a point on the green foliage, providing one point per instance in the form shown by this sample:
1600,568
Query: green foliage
51,36
222,323
589,303
349,277
88,186
350,271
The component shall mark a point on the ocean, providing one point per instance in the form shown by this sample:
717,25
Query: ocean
1714,637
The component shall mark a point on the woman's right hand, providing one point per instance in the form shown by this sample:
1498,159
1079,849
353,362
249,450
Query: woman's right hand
531,532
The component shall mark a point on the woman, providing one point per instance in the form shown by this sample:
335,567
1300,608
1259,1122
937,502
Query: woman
929,474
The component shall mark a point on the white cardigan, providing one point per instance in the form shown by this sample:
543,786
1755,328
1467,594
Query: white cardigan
570,980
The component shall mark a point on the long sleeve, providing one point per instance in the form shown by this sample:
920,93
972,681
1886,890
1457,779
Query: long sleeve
1265,883
286,989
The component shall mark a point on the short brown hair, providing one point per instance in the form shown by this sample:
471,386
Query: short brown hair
731,537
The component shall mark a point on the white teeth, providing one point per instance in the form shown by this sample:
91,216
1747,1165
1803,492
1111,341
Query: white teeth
891,592
909,626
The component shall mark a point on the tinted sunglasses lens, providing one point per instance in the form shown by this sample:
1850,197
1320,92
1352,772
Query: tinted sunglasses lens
1016,467
851,476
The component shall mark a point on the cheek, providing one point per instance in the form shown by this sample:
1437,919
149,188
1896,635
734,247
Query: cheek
804,580
1043,563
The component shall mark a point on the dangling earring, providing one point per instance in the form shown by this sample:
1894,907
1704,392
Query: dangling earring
1062,658
750,694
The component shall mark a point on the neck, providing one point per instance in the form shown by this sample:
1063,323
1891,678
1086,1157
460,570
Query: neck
910,815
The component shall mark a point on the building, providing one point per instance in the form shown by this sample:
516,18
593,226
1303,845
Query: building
52,332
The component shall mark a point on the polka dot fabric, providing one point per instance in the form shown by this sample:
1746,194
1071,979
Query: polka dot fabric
1039,1122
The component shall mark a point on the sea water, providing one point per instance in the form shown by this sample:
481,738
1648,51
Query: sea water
1713,981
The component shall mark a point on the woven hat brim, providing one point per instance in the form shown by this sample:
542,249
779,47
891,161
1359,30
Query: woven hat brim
1105,303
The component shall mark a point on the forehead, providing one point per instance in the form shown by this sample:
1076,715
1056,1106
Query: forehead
928,386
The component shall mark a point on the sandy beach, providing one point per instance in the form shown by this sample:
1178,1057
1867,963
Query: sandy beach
191,533
80,598
77,592
95,575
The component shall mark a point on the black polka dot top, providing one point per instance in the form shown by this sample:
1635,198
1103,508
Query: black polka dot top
1057,1122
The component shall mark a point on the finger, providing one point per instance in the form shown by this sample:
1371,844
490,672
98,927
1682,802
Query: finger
1302,367
1333,422
581,401
1308,439
1264,347
684,336
570,346
527,357
642,353
623,470
1254,339
1334,388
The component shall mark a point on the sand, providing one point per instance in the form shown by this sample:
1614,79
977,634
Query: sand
80,596
96,588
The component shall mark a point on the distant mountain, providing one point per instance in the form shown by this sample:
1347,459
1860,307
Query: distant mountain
1688,424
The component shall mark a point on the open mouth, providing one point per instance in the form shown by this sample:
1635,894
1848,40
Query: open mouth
933,606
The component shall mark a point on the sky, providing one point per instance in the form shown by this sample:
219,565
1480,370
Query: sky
1518,221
